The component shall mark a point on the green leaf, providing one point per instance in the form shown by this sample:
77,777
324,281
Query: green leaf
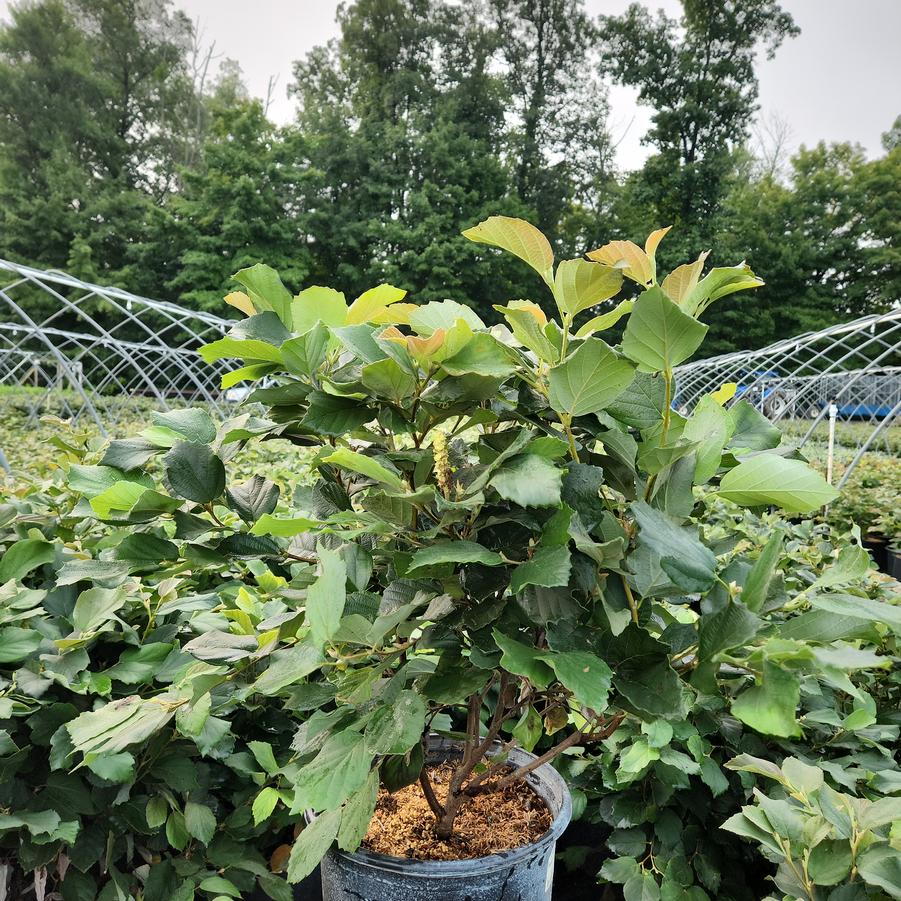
589,380
253,372
326,596
156,812
690,564
584,674
527,322
852,565
606,320
304,354
193,471
145,550
483,355
719,283
200,822
453,552
708,427
388,379
371,303
112,767
357,813
444,314
518,237
176,833
249,350
549,567
523,660
580,284
254,498
659,335
284,528
328,414
24,556
367,466
529,480
642,403
318,304
757,585
335,773
193,424
830,862
139,664
129,453
287,666
394,728
95,607
880,865
751,430
859,608
771,479
266,291
311,845
263,805
770,706
262,751
731,627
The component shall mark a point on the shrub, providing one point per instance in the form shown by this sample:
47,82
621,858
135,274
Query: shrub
509,535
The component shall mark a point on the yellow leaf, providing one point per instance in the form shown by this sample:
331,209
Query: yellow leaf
518,237
240,301
629,257
725,393
530,307
372,302
396,314
683,279
394,334
653,241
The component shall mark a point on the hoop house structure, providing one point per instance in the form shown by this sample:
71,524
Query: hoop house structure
855,366
81,350
85,351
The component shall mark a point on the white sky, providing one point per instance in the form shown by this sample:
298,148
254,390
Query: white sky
839,81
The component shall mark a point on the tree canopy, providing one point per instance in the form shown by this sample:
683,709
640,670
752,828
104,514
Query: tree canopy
125,159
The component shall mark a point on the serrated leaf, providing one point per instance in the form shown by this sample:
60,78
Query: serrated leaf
529,480
394,728
263,805
549,567
326,596
770,706
367,466
453,552
311,845
200,822
193,471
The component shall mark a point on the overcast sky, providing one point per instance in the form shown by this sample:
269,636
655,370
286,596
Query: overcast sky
839,81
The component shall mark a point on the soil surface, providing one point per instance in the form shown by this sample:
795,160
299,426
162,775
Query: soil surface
491,822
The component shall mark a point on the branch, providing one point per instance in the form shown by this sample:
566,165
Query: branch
429,793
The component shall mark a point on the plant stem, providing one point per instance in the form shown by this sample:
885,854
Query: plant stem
429,793
630,598
566,421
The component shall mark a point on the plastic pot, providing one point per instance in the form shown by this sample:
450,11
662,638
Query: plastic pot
523,874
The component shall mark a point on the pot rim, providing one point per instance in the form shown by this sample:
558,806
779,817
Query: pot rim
545,775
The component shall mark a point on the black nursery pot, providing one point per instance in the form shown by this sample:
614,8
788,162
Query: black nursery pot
894,563
878,548
523,874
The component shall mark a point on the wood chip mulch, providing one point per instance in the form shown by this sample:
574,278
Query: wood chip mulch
402,825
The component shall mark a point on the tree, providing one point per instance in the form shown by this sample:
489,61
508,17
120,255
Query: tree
559,146
238,208
698,74
404,123
90,99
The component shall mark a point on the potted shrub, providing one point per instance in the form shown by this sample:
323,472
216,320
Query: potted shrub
493,512
498,565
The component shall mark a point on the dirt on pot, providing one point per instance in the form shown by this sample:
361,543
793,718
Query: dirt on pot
403,824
